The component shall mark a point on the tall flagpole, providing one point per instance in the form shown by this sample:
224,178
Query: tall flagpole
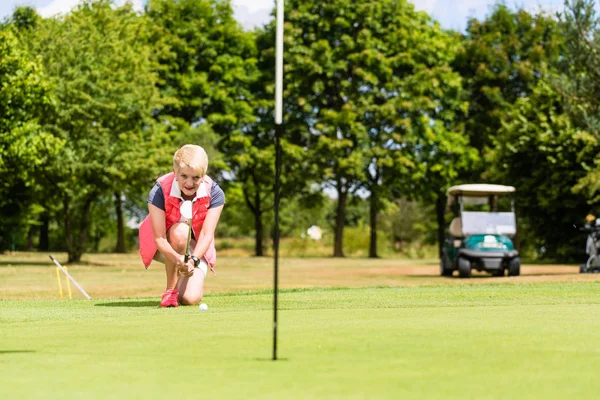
278,133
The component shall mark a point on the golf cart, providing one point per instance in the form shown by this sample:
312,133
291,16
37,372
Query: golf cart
479,236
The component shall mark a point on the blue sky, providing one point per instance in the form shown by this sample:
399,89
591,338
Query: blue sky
451,14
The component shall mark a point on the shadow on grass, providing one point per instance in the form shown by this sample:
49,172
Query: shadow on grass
141,303
16,351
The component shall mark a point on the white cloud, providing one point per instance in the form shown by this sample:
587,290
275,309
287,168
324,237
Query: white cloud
252,13
64,6
255,5
251,18
57,7
452,14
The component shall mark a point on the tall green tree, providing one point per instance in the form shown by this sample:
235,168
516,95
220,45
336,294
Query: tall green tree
542,154
207,64
501,61
328,52
415,146
366,84
103,74
24,145
209,77
250,151
580,86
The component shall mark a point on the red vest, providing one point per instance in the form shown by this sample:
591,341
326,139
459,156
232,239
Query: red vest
173,214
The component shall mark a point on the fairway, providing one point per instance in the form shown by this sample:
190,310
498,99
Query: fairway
510,339
392,199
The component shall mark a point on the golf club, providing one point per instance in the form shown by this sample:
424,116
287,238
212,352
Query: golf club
186,212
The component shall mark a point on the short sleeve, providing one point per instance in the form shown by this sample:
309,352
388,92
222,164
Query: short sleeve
217,196
157,197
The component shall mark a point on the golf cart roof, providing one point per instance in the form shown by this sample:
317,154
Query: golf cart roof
479,189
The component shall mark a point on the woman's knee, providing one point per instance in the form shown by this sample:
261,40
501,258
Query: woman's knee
178,235
188,299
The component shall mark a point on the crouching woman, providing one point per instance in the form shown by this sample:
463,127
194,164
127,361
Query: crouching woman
163,235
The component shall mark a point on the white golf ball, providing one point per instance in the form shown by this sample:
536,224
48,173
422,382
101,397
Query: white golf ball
203,307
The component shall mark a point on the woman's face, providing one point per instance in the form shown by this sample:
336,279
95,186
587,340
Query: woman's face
188,179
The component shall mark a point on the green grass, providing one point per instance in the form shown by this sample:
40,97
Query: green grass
480,341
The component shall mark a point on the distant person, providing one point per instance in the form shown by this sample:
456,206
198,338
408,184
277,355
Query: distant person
590,221
163,234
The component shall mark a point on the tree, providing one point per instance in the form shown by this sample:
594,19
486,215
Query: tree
415,147
501,61
103,75
24,145
363,84
542,154
210,78
207,64
24,19
250,151
579,84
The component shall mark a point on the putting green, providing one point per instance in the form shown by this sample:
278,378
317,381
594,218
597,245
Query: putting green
484,341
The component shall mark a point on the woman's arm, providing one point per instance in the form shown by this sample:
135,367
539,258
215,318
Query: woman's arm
207,234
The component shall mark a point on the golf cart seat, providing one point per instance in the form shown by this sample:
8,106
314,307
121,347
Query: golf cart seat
456,228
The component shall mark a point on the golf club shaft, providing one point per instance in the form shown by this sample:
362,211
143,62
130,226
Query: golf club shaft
187,246
70,278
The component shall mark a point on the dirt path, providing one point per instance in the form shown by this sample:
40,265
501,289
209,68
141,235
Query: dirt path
532,273
415,274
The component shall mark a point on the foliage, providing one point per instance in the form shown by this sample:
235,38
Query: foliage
518,123
380,104
24,145
540,154
502,59
362,81
579,84
103,77
207,67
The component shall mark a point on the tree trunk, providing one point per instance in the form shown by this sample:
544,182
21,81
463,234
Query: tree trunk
30,235
121,247
340,217
68,233
77,248
97,239
440,207
44,239
255,208
373,200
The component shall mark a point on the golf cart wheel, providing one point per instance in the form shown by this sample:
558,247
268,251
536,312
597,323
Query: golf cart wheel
514,267
500,272
444,263
464,268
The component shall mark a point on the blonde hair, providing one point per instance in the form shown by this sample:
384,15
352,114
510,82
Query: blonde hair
193,156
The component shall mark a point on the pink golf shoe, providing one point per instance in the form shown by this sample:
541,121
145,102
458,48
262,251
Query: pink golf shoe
169,298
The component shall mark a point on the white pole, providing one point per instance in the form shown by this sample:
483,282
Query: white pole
278,133
71,278
279,64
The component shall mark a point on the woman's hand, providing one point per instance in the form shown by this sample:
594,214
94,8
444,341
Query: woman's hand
185,268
